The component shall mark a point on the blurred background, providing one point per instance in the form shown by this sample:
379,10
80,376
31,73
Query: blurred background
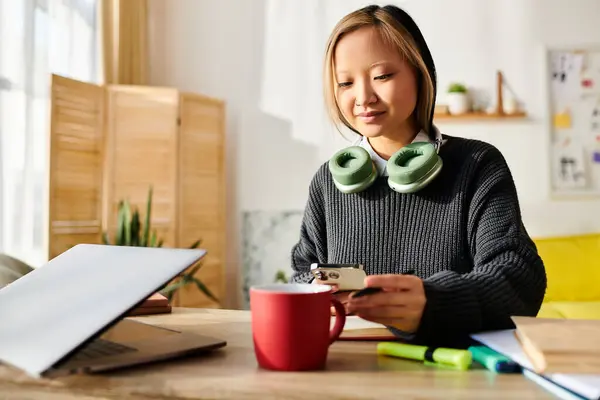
213,110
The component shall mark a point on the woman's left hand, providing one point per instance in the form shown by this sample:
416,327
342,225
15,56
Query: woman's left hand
400,304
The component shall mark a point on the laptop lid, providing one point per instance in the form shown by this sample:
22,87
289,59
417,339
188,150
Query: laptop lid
47,313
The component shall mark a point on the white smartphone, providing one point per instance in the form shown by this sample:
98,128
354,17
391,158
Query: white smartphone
346,276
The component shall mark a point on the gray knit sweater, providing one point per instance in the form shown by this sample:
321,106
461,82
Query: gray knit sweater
463,235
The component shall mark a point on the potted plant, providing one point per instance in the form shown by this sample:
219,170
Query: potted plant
131,232
458,100
280,276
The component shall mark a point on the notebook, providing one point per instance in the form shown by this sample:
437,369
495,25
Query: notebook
506,342
550,386
357,328
560,345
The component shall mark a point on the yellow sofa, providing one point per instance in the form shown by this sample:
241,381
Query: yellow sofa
573,271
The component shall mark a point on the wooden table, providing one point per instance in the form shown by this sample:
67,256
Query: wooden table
354,371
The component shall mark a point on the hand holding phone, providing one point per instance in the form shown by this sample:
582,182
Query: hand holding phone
370,290
401,311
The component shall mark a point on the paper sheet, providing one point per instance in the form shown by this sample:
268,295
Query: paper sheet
355,323
562,120
595,121
590,75
552,387
566,75
569,167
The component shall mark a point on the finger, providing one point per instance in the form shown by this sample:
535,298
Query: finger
334,287
392,313
398,299
333,311
382,320
403,324
341,297
392,281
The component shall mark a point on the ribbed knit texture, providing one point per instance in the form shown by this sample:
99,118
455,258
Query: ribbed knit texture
463,235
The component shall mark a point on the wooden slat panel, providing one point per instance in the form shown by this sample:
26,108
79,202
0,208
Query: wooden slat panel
191,296
76,152
202,208
63,242
142,151
202,196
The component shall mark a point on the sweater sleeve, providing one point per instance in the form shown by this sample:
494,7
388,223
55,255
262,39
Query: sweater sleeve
507,277
312,244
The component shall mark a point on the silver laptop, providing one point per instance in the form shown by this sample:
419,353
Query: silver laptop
68,316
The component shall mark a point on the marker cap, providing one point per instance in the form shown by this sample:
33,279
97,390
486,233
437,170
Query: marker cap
461,359
492,360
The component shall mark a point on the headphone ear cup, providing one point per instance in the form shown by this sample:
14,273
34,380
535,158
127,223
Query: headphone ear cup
352,169
413,167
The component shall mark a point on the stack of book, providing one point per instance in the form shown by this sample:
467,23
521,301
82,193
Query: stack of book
155,304
560,345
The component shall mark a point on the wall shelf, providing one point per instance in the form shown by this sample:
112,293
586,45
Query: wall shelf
480,116
499,113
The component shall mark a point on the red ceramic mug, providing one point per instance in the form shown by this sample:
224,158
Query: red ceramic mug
291,325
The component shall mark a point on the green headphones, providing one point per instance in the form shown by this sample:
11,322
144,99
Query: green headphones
410,169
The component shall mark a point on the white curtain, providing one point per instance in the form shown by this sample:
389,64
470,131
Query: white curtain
37,38
295,37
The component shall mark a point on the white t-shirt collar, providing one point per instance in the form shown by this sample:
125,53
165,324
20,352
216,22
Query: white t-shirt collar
381,163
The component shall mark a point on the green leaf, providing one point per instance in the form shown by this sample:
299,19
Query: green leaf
120,224
195,269
135,228
457,87
205,290
146,234
172,288
105,238
280,277
196,244
127,211
130,230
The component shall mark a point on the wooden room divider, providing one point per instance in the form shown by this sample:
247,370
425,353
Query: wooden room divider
112,142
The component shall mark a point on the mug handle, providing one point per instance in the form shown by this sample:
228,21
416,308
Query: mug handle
340,320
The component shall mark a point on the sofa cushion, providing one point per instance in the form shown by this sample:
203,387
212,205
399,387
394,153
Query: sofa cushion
548,311
572,267
11,269
576,309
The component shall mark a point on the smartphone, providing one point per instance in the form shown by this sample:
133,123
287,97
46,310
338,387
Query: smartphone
366,291
347,277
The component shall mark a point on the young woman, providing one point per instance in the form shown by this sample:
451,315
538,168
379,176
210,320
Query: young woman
407,198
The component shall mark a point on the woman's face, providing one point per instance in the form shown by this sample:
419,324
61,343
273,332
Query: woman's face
376,89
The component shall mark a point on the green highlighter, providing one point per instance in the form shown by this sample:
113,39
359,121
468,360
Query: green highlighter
493,360
438,356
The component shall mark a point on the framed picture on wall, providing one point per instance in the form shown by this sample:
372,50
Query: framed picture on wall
573,98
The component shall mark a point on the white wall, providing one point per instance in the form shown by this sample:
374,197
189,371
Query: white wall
215,47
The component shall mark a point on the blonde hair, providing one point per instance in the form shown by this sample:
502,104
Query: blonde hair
394,34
